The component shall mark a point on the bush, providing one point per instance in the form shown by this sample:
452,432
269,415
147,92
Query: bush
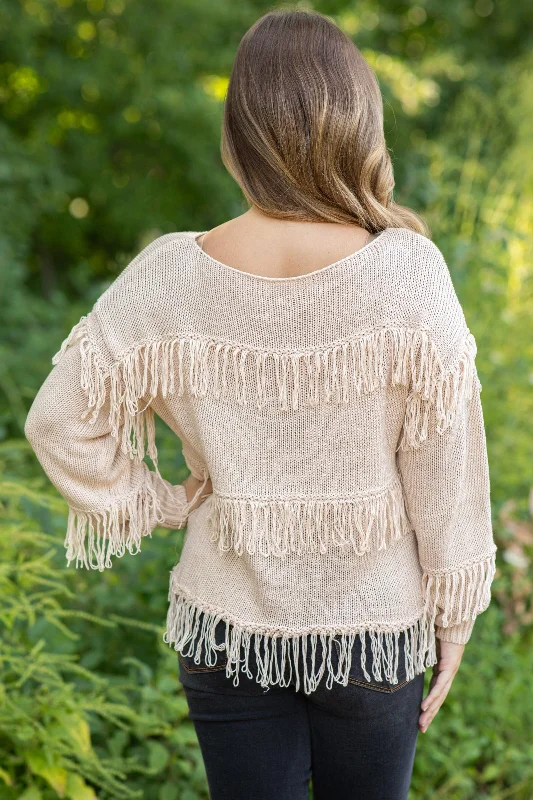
87,709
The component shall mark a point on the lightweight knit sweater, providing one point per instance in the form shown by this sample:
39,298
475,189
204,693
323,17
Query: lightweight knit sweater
338,416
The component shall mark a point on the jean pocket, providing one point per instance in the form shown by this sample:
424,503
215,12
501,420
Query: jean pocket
198,657
388,675
378,686
188,663
191,665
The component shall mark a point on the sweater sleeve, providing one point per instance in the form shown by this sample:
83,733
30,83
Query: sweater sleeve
445,476
114,499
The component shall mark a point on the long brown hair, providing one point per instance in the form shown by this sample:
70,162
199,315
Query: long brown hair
302,130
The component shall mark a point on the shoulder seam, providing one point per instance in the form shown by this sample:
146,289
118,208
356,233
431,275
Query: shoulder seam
151,249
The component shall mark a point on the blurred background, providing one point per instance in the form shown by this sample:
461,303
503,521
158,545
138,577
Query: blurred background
109,132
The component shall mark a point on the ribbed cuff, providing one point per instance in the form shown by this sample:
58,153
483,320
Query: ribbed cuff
458,634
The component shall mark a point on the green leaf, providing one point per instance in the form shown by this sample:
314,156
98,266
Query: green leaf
185,734
31,793
53,773
491,773
118,742
169,791
187,794
181,705
158,756
6,777
77,789
77,730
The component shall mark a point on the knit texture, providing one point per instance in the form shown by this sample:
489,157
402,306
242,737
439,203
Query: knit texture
338,416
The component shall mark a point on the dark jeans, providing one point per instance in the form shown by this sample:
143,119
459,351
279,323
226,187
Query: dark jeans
356,742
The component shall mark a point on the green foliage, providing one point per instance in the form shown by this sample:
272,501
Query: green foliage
479,745
109,133
84,713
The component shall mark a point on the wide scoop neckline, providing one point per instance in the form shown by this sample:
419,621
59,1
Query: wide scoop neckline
378,240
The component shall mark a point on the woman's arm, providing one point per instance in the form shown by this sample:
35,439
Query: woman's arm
114,499
193,486
447,490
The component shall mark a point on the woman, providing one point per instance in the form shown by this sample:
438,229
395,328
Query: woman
314,360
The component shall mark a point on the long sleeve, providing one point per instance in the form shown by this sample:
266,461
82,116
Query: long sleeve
445,476
114,498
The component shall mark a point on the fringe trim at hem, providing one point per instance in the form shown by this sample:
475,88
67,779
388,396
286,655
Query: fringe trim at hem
331,374
278,527
183,625
419,645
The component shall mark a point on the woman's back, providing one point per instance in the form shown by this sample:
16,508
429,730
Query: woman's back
337,414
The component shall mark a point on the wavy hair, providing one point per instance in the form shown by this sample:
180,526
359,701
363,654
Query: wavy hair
302,128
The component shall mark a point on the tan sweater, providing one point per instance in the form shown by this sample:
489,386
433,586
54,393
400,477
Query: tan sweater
338,416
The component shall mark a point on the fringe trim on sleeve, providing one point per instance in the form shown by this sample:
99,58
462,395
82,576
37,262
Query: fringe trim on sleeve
93,537
78,331
441,393
462,594
126,384
334,374
458,596
277,527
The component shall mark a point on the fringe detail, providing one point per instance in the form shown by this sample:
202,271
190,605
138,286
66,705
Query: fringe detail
94,537
401,356
382,646
277,527
79,330
128,382
439,392
460,595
